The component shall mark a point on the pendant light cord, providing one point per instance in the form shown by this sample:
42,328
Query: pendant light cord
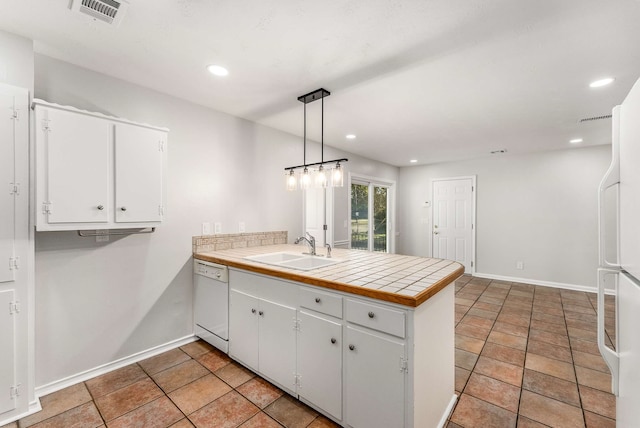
304,150
322,131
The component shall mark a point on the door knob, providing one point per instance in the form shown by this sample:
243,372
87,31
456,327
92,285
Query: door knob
100,207
123,208
352,347
436,233
333,340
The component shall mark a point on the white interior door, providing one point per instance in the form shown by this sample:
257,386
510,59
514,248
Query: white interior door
318,212
138,171
453,220
7,179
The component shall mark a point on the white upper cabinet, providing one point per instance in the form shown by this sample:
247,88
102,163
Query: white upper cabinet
97,172
139,173
76,174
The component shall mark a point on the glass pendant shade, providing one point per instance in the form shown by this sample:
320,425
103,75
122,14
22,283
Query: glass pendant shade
321,178
305,179
292,181
337,176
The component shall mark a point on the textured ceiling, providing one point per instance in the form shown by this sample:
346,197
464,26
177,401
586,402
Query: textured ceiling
416,79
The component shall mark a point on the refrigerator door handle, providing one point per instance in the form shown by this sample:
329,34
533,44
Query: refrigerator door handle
611,178
611,357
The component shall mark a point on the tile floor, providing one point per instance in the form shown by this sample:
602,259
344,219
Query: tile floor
526,356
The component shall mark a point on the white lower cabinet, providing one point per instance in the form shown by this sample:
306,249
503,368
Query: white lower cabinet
374,379
262,336
361,362
243,328
320,362
277,351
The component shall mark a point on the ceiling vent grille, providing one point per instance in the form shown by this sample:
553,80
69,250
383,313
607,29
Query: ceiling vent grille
109,11
589,119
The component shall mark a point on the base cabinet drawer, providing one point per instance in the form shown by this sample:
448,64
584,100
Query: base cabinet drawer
376,317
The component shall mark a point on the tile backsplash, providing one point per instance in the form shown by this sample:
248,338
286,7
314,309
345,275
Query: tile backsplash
237,240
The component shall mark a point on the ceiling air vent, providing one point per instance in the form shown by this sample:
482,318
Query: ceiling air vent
589,119
109,11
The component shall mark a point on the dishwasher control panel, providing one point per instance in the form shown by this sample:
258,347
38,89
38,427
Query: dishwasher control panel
211,270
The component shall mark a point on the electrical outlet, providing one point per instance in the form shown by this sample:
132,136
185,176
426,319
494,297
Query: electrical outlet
217,228
241,227
206,228
520,265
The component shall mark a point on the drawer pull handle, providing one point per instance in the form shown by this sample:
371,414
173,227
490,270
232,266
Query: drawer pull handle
123,209
100,207
261,313
253,311
317,300
371,315
333,340
352,347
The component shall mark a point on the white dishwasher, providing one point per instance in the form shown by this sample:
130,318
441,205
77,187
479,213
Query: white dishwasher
211,303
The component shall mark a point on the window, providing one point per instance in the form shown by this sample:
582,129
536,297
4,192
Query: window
370,215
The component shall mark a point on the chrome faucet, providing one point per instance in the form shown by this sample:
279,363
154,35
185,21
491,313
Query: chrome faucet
328,250
311,242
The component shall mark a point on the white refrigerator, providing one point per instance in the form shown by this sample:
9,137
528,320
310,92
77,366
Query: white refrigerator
623,178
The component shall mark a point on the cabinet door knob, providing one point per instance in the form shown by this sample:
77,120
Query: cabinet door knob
100,207
371,315
260,313
253,311
352,347
123,208
317,300
333,340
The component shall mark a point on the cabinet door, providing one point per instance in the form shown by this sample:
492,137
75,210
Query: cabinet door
7,353
77,168
278,343
243,328
320,363
375,381
7,177
138,173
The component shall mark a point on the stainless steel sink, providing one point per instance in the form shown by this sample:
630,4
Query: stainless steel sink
293,261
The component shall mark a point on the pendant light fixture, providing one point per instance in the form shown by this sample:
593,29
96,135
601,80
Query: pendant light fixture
323,177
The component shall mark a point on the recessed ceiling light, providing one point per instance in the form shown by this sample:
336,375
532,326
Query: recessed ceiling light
413,160
576,140
217,70
601,82
350,137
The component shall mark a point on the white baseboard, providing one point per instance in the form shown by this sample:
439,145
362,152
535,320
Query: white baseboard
105,368
562,285
447,412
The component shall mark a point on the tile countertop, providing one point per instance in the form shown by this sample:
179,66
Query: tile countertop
406,280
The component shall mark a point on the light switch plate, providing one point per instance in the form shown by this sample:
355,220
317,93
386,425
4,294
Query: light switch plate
206,228
217,228
241,227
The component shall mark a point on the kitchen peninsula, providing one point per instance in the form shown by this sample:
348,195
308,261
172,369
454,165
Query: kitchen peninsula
368,339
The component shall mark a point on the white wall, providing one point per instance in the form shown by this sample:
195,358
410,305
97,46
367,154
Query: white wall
539,208
16,60
96,303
